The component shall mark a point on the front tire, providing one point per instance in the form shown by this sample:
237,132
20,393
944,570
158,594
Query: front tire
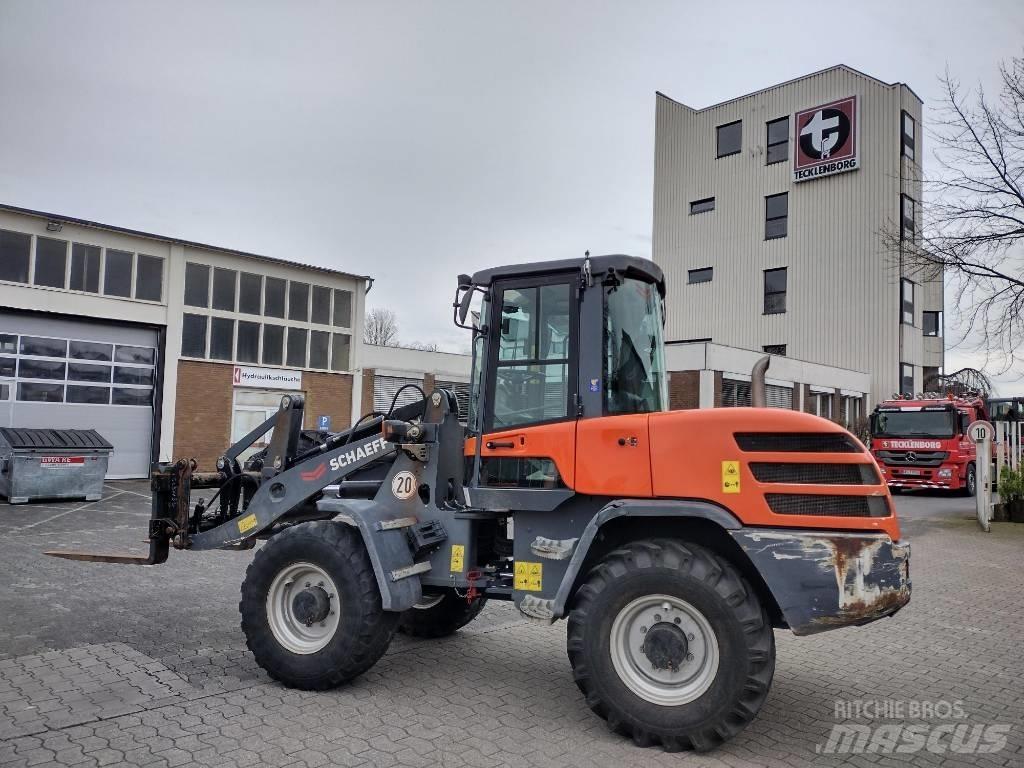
311,609
971,481
670,645
440,615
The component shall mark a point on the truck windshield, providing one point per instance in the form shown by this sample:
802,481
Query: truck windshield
634,350
912,424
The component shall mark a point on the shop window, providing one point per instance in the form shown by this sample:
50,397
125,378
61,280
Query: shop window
298,301
224,281
778,141
297,347
319,349
117,273
703,275
40,369
730,138
138,355
273,297
340,345
342,308
702,206
222,338
85,268
931,323
193,336
90,350
51,263
149,277
89,395
248,345
40,347
250,293
88,372
197,285
907,131
124,396
775,282
273,344
14,252
321,310
776,216
33,392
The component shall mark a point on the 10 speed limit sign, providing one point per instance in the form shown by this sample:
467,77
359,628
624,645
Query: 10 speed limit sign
981,430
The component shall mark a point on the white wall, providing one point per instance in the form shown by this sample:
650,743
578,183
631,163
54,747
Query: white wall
401,361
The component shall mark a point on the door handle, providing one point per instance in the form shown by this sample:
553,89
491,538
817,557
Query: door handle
491,444
630,441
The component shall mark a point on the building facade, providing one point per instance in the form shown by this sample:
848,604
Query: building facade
779,218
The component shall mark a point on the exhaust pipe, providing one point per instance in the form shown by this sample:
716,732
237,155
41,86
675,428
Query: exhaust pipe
758,394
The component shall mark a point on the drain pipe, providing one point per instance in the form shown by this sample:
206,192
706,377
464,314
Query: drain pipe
758,394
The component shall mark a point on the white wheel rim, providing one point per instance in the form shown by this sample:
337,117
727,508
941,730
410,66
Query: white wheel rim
666,687
292,633
428,601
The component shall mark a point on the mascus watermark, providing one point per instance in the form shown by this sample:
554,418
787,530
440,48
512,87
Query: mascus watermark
947,729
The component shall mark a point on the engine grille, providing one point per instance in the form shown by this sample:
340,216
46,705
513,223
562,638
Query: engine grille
815,474
796,442
913,458
827,506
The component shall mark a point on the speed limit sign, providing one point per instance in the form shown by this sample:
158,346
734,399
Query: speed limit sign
981,430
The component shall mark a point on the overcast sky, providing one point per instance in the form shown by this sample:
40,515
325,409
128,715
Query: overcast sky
412,141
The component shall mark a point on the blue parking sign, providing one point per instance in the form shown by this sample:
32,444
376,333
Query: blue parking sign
323,423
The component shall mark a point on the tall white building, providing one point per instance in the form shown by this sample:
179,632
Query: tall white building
769,214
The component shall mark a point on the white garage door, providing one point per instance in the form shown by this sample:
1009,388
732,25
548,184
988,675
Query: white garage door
67,374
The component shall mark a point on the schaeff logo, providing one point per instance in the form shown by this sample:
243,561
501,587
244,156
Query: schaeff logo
826,140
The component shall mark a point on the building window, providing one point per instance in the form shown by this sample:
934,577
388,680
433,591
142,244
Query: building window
222,338
37,346
778,141
297,347
702,206
41,393
907,132
702,275
298,301
248,346
250,293
908,228
273,344
321,309
931,323
51,263
907,301
774,291
823,404
91,350
193,335
136,355
906,378
149,277
730,138
319,349
224,289
735,394
273,297
197,285
774,349
776,215
117,273
14,251
342,310
340,352
85,268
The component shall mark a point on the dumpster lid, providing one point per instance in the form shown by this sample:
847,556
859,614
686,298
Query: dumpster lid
54,439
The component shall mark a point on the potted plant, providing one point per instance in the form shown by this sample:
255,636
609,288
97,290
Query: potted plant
1011,493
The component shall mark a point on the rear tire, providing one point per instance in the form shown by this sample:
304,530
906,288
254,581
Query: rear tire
670,645
311,609
440,615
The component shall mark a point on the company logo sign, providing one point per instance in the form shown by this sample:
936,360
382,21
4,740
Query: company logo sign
913,444
826,140
61,461
361,452
267,378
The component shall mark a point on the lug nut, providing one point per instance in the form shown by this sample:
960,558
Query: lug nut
690,636
643,630
657,617
677,620
689,657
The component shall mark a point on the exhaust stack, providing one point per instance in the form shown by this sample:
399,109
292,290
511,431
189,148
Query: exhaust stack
758,394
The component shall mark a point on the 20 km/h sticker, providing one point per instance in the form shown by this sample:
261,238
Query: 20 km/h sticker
403,485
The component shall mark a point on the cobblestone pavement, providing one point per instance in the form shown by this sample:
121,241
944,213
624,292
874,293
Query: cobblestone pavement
118,665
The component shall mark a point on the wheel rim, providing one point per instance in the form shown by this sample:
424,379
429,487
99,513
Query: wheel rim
972,480
664,650
290,621
428,601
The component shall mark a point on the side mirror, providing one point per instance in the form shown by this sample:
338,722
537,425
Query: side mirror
464,303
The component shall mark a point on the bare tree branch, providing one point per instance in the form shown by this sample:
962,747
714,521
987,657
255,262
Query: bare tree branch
381,328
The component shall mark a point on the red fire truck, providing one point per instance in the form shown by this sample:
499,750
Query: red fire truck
923,443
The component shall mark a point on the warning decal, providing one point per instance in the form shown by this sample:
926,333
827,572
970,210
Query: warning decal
528,576
730,477
458,558
247,523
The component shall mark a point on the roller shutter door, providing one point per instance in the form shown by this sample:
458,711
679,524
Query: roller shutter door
462,391
385,387
779,397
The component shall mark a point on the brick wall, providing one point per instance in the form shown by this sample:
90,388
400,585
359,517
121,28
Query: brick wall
429,382
368,376
718,389
202,417
328,394
810,404
684,390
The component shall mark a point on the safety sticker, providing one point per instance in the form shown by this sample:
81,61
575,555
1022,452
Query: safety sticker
730,477
458,558
247,523
528,576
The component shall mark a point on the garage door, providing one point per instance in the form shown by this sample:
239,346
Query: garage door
68,374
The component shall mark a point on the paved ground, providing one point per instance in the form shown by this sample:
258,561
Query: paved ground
117,665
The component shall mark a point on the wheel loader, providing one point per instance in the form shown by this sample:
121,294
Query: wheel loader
672,542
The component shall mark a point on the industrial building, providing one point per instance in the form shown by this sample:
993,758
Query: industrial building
770,214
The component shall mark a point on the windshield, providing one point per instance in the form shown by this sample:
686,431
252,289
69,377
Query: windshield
634,351
477,375
912,424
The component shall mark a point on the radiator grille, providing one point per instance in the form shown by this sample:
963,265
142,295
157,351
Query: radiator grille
796,442
827,506
815,474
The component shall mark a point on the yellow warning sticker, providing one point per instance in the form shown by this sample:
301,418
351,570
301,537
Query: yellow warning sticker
528,576
247,523
730,477
458,558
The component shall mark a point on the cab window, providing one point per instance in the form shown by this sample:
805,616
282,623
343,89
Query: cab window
634,362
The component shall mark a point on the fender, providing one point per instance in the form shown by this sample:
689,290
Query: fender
672,508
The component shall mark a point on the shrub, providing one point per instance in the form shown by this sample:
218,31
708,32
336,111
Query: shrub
1011,484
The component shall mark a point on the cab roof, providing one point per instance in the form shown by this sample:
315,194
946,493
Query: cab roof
627,266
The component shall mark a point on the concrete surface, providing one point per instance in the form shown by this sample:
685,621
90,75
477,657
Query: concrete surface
120,665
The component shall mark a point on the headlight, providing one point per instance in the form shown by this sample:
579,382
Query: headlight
945,473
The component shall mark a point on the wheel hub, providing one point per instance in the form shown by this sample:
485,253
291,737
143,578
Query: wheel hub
311,605
665,646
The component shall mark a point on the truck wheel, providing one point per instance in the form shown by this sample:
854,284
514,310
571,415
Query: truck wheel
670,645
311,609
440,615
971,481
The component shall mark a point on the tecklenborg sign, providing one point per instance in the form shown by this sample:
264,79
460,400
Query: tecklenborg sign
826,140
267,378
